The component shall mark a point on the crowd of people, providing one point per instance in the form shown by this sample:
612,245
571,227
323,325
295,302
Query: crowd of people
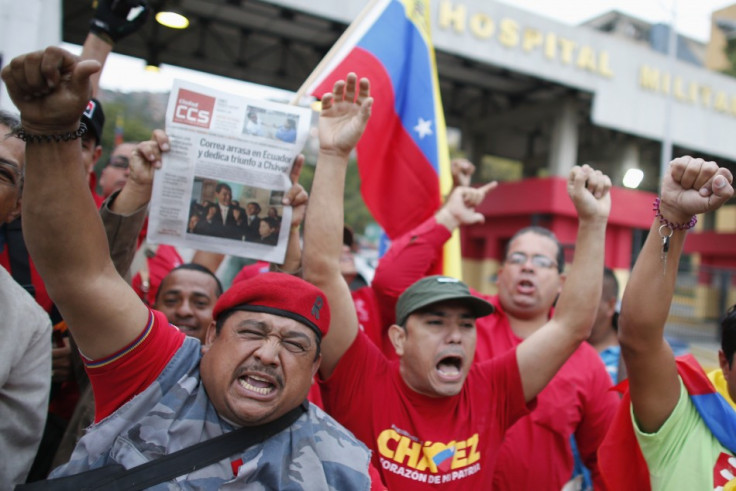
292,379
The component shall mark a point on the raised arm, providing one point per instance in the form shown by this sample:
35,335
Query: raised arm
111,23
124,212
345,113
690,186
415,255
546,350
63,230
297,198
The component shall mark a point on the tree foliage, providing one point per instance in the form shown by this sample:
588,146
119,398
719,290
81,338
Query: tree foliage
731,56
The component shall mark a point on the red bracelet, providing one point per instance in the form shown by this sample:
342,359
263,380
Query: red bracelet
674,226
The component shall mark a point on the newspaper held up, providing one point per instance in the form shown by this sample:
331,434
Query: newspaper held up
221,185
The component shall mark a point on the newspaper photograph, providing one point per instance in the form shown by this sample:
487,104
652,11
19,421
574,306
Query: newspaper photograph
221,185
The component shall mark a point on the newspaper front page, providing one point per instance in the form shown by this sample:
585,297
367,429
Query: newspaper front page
221,185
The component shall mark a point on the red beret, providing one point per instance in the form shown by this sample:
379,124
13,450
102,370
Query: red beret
279,294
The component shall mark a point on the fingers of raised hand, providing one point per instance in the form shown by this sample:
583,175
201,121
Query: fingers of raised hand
149,153
350,87
364,90
328,100
585,177
722,187
678,166
15,77
472,197
296,168
578,177
162,140
696,171
296,196
701,182
599,184
486,188
338,91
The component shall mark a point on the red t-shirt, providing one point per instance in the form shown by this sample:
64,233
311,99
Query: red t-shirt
410,257
373,316
420,441
117,378
577,401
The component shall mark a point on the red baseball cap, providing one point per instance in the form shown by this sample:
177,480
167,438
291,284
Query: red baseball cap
279,294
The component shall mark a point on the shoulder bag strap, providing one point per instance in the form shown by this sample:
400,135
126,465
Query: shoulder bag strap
168,467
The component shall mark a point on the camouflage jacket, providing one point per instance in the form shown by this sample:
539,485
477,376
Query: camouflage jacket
315,452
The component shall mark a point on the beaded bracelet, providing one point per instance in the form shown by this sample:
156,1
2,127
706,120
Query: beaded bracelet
674,226
19,132
667,226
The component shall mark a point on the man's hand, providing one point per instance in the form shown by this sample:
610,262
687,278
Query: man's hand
589,191
693,186
460,206
147,158
344,117
51,88
116,19
61,362
462,171
297,196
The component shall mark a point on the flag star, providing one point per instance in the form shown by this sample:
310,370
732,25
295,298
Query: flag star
423,128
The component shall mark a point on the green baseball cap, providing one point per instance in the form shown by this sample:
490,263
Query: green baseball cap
433,289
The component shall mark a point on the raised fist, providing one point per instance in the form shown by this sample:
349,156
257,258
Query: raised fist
116,19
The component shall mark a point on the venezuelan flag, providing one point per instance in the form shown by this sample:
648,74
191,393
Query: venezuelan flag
403,157
619,457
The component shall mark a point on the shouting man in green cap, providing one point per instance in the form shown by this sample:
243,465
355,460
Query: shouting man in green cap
433,417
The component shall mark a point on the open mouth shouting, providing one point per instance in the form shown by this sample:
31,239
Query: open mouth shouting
526,287
450,368
259,383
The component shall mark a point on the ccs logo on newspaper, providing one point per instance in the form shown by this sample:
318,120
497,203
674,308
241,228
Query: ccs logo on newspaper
193,109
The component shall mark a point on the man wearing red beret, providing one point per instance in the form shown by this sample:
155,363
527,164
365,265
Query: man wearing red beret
158,391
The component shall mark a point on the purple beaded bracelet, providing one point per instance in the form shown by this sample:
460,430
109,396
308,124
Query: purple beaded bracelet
673,226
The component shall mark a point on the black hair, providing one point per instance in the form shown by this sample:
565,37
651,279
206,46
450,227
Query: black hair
544,232
9,119
221,185
613,281
193,267
728,334
272,222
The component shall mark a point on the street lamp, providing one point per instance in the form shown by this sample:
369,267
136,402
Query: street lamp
633,178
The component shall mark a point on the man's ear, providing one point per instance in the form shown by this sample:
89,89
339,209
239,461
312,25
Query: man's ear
96,155
611,306
723,362
315,365
209,338
397,335
563,278
15,212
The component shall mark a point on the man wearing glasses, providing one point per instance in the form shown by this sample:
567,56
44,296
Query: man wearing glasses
576,402
115,174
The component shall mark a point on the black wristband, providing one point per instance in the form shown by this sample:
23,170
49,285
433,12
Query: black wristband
20,133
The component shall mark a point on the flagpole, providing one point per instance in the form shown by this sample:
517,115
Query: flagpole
332,52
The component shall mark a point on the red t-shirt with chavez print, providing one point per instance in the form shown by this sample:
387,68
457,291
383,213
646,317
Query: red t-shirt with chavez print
419,442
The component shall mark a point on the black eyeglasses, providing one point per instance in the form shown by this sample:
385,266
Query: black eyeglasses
119,162
538,260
